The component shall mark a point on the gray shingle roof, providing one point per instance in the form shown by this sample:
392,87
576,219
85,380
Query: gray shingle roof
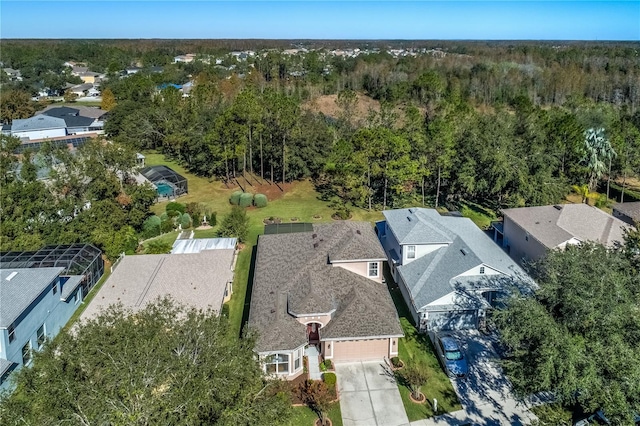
83,111
630,209
197,280
415,226
23,287
293,274
555,225
38,122
68,287
433,276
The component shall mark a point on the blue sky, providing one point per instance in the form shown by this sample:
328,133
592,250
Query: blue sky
507,19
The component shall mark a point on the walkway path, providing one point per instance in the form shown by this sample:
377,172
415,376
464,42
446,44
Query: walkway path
314,362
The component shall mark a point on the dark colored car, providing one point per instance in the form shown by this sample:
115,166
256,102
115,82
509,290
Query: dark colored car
451,355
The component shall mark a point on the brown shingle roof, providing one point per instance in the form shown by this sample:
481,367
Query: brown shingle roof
293,274
629,209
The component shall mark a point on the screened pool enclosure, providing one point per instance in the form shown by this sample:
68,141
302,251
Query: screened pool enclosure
167,182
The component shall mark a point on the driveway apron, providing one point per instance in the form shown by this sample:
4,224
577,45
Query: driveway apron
369,395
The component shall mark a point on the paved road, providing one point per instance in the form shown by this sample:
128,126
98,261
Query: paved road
485,394
369,395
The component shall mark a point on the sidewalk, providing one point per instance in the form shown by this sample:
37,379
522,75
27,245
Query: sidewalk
314,362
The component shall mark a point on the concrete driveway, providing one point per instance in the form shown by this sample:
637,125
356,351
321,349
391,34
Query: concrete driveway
485,395
369,395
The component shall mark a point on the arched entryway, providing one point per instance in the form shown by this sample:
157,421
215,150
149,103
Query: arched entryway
313,333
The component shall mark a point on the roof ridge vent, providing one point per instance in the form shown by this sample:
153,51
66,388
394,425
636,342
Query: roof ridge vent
411,211
11,276
557,207
409,218
463,251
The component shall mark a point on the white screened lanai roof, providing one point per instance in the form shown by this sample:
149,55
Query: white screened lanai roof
197,245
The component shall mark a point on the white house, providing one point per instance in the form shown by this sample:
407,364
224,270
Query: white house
39,127
448,270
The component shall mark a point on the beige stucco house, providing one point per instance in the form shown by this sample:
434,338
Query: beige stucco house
323,287
528,232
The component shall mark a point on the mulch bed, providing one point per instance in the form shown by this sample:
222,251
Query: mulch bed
418,401
273,190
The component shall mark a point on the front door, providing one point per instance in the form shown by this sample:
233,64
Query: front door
312,332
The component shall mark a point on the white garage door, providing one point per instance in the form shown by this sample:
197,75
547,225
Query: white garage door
457,320
360,350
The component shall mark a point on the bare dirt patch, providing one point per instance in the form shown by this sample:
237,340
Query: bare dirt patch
326,104
255,185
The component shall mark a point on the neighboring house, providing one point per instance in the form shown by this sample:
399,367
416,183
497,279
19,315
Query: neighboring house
81,90
77,124
528,232
448,270
322,287
132,70
628,212
200,278
90,77
14,75
39,292
39,127
189,57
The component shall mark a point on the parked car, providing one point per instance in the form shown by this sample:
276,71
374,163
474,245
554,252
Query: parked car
599,418
451,355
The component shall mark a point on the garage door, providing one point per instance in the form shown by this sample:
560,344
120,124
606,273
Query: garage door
457,320
360,350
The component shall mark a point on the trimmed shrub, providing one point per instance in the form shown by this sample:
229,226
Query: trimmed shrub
395,361
212,218
164,216
185,221
151,226
260,201
328,363
246,200
323,367
235,198
329,379
174,206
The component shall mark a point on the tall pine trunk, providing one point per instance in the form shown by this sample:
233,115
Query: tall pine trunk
284,144
369,185
261,159
438,189
422,191
384,202
250,152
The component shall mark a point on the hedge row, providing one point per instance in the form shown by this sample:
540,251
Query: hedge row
245,199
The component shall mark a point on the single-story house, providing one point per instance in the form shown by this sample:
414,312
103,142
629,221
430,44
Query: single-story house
200,279
448,270
325,288
528,232
627,212
39,127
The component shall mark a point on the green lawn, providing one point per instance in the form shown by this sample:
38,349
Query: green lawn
417,348
481,216
304,416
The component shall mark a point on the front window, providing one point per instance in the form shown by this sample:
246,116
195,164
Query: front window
373,269
411,252
296,360
278,363
42,336
26,353
481,270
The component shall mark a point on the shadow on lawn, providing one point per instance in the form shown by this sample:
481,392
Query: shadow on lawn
247,298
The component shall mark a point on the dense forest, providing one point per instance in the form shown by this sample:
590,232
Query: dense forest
501,124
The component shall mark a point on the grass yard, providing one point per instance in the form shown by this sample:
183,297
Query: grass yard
481,216
417,347
304,416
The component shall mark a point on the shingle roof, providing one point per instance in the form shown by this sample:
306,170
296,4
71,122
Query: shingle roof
38,122
555,225
197,280
433,276
84,111
21,289
630,209
71,116
69,286
5,365
415,226
293,274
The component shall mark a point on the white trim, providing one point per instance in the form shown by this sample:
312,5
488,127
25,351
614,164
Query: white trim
339,339
377,275
380,259
297,315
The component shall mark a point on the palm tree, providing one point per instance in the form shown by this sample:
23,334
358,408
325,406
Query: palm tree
584,192
599,154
